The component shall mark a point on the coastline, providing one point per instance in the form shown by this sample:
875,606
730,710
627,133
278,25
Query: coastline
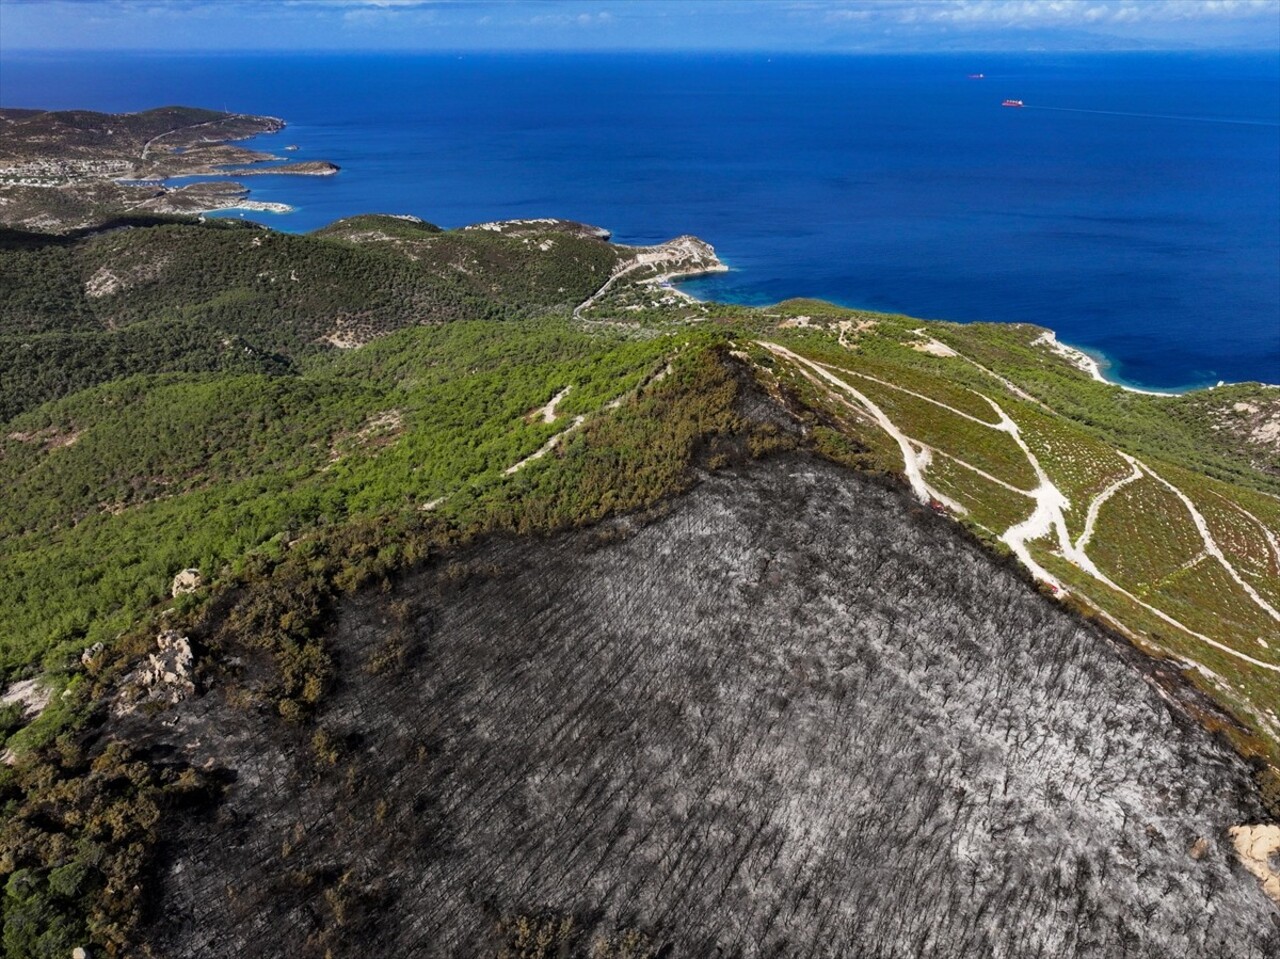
261,163
306,168
1156,318
1092,364
670,281
251,206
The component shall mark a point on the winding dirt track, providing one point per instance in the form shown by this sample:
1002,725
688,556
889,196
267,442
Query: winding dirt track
1096,506
1046,519
912,466
1210,545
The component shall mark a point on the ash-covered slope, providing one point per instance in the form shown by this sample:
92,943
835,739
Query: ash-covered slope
794,716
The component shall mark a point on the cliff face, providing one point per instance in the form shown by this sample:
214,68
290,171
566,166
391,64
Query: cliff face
792,716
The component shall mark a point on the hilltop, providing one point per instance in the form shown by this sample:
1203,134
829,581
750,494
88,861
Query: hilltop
479,593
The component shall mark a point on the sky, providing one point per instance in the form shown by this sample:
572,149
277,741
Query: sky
772,25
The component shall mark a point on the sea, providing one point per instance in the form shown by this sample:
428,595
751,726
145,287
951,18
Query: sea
1132,204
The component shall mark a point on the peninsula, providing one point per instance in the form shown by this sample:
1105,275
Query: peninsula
68,169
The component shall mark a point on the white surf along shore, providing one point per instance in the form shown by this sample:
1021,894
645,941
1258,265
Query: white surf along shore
1088,364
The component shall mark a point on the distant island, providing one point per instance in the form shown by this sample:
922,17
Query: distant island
67,169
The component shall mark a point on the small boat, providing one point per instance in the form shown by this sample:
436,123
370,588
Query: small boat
976,76
1012,103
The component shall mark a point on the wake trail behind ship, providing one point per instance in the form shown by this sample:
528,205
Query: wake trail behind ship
1158,116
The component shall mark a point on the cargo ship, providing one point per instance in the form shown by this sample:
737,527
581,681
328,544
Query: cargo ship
1012,103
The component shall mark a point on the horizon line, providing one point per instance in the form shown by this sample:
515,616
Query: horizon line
765,51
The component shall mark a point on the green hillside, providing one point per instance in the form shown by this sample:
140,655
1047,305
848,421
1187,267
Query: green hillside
232,297
175,398
300,418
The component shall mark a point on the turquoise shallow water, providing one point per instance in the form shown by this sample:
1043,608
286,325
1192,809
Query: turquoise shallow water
1133,205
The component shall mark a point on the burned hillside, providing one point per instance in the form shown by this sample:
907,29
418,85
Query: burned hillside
794,715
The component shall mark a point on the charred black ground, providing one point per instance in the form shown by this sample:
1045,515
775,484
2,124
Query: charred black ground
793,716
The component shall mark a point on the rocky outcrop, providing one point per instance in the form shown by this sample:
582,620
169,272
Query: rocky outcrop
31,695
650,268
187,581
166,677
168,671
683,256
1253,423
1258,848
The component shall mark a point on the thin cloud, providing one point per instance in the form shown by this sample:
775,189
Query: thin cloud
1030,13
826,25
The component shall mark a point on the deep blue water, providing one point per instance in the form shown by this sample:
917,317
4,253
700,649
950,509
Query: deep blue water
1139,217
